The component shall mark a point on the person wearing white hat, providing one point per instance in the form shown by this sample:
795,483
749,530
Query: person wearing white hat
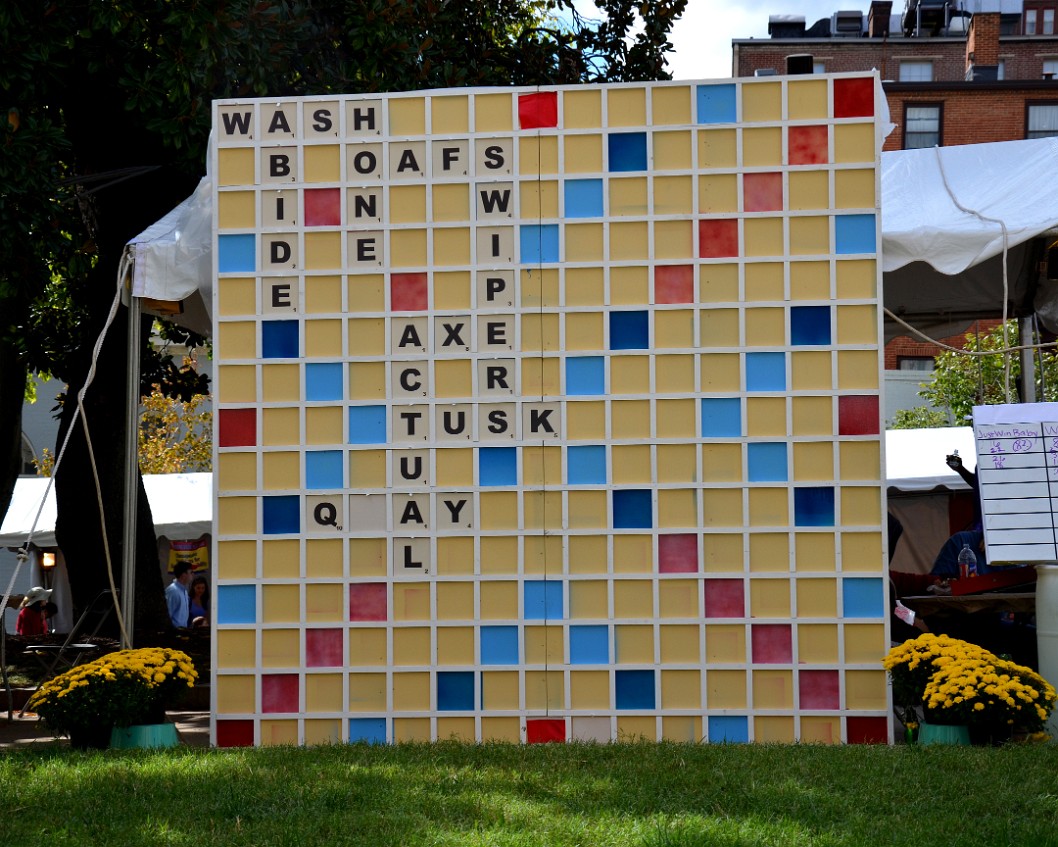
32,619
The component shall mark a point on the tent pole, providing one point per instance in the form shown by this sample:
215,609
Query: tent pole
1027,336
132,413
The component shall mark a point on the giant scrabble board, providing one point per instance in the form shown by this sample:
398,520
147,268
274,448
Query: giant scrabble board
550,414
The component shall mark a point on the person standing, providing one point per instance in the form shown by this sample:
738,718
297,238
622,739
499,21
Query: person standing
177,599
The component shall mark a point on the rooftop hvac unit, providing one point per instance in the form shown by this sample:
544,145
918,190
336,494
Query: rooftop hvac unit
786,26
765,72
847,24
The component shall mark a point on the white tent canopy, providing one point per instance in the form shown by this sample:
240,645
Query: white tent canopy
914,458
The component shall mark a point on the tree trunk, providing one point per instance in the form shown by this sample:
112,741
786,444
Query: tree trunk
12,396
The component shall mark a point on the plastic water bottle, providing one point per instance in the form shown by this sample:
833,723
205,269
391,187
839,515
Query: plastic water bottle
967,563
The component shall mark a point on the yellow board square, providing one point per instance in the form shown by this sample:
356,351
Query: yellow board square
854,189
411,730
764,281
813,416
498,510
806,99
499,600
367,692
367,469
411,646
367,380
588,599
584,242
718,283
538,155
766,327
681,729
725,689
407,116
499,555
681,689
766,415
626,106
630,240
670,104
455,467
281,648
717,148
319,732
585,420
583,153
809,281
673,195
323,692
236,559
860,506
451,290
451,202
817,643
367,336
411,602
237,296
411,693
630,374
237,471
725,644
675,419
722,553
235,694
761,146
545,690
368,557
628,197
237,340
236,649
813,460
453,378
818,729
235,166
587,554
587,509
544,645
281,603
236,515
815,551
407,248
773,729
817,598
589,689
864,642
721,507
632,554
449,114
860,460
631,463
323,163
719,328
236,210
809,190
506,730
811,371
323,338
455,645
323,425
633,599
769,598
582,108
456,729
865,690
540,288
680,642
492,113
858,368
856,279
407,204
717,193
809,236
672,150
674,374
721,462
540,332
540,377
674,329
584,331
763,237
324,602
761,101
539,199
721,372
455,556
854,143
630,419
323,558
769,552
542,510
635,729
324,294
772,689
678,598
673,240
862,552
677,508
281,559
629,285
857,324
541,465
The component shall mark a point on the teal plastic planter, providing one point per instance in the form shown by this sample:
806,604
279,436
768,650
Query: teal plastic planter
929,733
144,736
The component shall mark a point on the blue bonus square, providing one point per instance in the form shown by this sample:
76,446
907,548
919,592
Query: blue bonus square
281,514
629,330
586,465
721,417
323,381
236,253
539,243
455,691
369,730
809,325
589,645
854,234
634,689
633,509
543,600
236,604
585,375
767,461
765,372
733,729
628,151
716,104
323,469
279,339
583,198
497,466
367,424
814,506
499,645
863,598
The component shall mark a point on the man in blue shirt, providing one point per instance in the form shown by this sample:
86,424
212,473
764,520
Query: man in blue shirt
177,598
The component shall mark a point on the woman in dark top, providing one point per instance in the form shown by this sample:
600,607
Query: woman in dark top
199,602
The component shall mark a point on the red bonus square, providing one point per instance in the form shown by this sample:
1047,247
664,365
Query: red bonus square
323,207
237,427
279,693
323,648
408,293
858,415
725,598
865,730
543,731
717,238
678,553
807,145
673,284
819,689
772,643
367,602
536,111
762,192
235,733
854,98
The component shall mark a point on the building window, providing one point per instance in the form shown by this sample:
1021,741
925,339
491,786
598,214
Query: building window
1030,22
1050,68
921,126
914,363
1048,21
1001,70
916,71
819,67
1041,120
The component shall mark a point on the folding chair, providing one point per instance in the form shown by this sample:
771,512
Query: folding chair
76,646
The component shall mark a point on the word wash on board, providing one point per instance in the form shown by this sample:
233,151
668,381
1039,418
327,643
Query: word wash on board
1017,466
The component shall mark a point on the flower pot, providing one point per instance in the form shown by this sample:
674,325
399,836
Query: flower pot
931,733
145,736
90,737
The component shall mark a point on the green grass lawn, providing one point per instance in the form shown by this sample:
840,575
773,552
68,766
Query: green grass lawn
652,795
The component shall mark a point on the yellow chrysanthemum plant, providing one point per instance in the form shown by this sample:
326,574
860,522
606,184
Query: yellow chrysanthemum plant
124,688
960,683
